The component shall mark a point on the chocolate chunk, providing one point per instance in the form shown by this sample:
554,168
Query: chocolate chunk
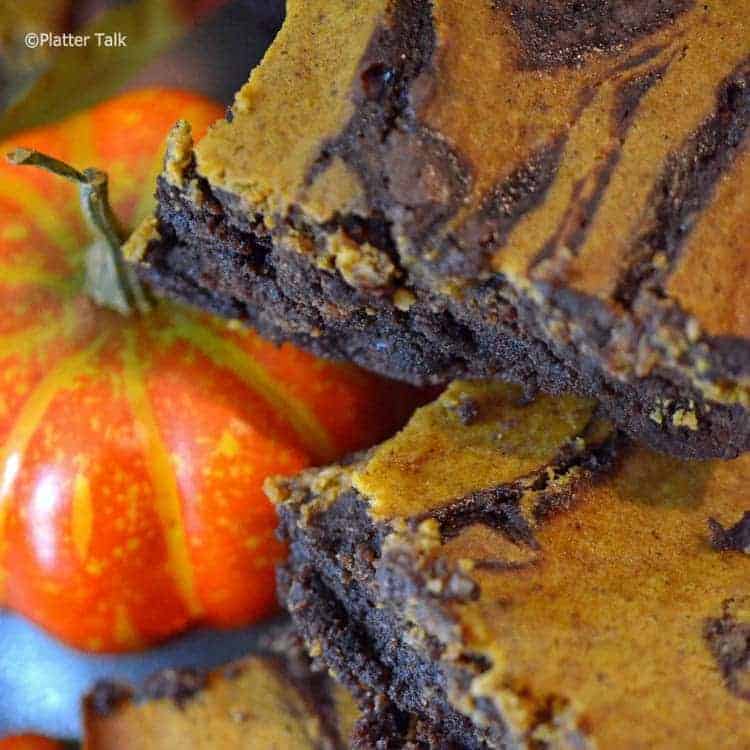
467,410
729,641
106,696
736,538
376,80
178,685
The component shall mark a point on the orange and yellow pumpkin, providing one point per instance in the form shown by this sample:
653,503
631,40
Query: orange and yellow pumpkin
133,449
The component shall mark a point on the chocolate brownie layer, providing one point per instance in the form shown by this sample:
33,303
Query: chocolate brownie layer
265,702
550,192
516,574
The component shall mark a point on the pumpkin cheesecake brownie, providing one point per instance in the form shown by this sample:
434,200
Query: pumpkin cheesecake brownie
518,575
265,702
553,193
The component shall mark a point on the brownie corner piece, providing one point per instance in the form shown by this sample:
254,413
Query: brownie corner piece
536,210
525,578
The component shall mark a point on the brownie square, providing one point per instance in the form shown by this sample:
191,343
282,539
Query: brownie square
515,573
267,701
550,193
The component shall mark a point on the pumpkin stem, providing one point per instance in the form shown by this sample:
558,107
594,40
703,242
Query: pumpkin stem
110,281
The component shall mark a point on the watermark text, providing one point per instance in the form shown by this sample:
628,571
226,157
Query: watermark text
36,39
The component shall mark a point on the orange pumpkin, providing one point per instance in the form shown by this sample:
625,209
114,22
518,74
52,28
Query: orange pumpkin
133,449
30,742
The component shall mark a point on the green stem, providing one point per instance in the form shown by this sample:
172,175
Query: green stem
110,280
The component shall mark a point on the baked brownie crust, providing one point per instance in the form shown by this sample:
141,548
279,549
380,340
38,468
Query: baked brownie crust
281,293
541,209
516,574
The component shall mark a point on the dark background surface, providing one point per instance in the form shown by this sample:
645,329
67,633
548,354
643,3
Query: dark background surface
217,56
41,681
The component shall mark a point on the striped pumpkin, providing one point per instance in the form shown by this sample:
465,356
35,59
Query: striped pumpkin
133,450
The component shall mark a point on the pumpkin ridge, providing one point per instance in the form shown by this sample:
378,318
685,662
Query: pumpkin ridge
81,515
28,421
126,632
27,339
34,205
167,498
296,413
78,140
13,275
